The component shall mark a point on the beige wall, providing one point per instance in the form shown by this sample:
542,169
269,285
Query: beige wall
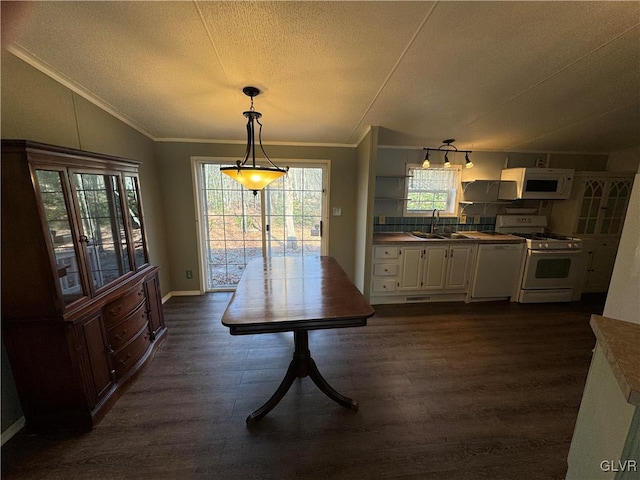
365,179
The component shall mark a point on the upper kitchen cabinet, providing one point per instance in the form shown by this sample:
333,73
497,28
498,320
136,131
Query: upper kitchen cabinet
595,212
597,205
81,308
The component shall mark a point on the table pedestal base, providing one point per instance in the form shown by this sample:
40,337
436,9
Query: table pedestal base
302,365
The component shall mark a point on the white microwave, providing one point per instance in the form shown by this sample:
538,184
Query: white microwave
535,183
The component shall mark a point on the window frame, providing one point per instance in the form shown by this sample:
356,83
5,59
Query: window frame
453,203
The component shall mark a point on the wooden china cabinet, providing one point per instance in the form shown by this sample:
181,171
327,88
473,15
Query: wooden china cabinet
81,305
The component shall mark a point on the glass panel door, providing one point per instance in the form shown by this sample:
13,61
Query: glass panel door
232,226
291,210
56,211
102,224
135,221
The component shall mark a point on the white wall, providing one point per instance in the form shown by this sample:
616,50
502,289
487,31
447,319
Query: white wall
603,423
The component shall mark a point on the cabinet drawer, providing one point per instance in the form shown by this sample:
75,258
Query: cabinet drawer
380,286
385,269
123,331
127,356
385,252
120,308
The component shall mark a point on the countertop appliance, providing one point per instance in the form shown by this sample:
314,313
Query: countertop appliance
496,271
535,183
549,271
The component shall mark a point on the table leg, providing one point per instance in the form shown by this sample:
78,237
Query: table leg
302,365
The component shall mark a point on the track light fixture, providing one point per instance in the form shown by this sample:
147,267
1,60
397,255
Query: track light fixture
253,176
426,163
447,147
467,163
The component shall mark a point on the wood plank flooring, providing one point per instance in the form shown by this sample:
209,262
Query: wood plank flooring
446,391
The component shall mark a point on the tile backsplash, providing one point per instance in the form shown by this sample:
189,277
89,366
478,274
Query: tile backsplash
423,224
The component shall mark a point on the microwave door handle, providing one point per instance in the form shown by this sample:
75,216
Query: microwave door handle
563,184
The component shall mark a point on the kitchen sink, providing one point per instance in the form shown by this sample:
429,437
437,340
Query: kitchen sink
439,236
429,236
452,235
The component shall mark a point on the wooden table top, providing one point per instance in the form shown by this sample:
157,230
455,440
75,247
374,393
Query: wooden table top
280,294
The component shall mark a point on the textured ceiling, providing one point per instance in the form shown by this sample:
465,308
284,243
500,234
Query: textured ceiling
525,76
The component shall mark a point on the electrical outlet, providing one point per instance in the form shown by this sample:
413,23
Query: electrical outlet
476,219
463,218
189,274
381,220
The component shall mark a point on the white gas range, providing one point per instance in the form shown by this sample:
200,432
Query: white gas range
549,272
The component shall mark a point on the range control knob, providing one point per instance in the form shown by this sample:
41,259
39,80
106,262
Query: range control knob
546,245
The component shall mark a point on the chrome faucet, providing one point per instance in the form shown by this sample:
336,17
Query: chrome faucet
435,217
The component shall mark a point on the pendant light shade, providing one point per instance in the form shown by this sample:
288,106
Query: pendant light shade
254,177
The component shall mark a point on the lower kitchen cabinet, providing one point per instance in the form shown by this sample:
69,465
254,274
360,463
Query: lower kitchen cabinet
415,273
448,267
411,268
600,257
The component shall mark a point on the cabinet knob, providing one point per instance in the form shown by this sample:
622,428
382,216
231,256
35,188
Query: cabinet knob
125,359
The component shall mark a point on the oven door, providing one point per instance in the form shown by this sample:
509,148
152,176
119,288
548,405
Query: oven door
551,269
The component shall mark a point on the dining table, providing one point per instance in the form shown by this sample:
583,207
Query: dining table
296,294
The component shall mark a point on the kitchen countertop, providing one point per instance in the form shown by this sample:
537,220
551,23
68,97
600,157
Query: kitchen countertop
619,341
472,237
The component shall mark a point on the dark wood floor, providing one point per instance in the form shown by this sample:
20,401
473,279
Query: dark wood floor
446,391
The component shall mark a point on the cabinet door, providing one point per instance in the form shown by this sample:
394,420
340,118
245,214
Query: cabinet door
134,219
602,258
54,195
459,267
410,277
614,206
154,306
99,373
593,192
435,267
100,209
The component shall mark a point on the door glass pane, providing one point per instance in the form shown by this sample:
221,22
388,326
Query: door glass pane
103,225
56,212
135,220
294,213
233,227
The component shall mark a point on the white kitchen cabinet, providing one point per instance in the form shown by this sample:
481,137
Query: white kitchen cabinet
411,268
459,267
597,205
600,257
435,267
385,268
447,267
595,213
421,272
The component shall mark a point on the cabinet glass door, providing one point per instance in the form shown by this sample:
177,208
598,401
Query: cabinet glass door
135,220
102,223
56,211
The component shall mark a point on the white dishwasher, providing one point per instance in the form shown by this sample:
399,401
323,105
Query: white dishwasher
497,270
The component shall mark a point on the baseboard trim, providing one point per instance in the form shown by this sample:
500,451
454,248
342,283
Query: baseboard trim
184,293
12,430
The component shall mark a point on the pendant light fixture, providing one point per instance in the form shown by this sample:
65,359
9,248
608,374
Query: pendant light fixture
447,147
252,176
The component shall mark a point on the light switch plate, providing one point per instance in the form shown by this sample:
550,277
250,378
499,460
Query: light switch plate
336,211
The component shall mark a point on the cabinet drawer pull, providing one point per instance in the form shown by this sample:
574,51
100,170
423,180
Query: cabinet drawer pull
124,332
116,310
125,359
